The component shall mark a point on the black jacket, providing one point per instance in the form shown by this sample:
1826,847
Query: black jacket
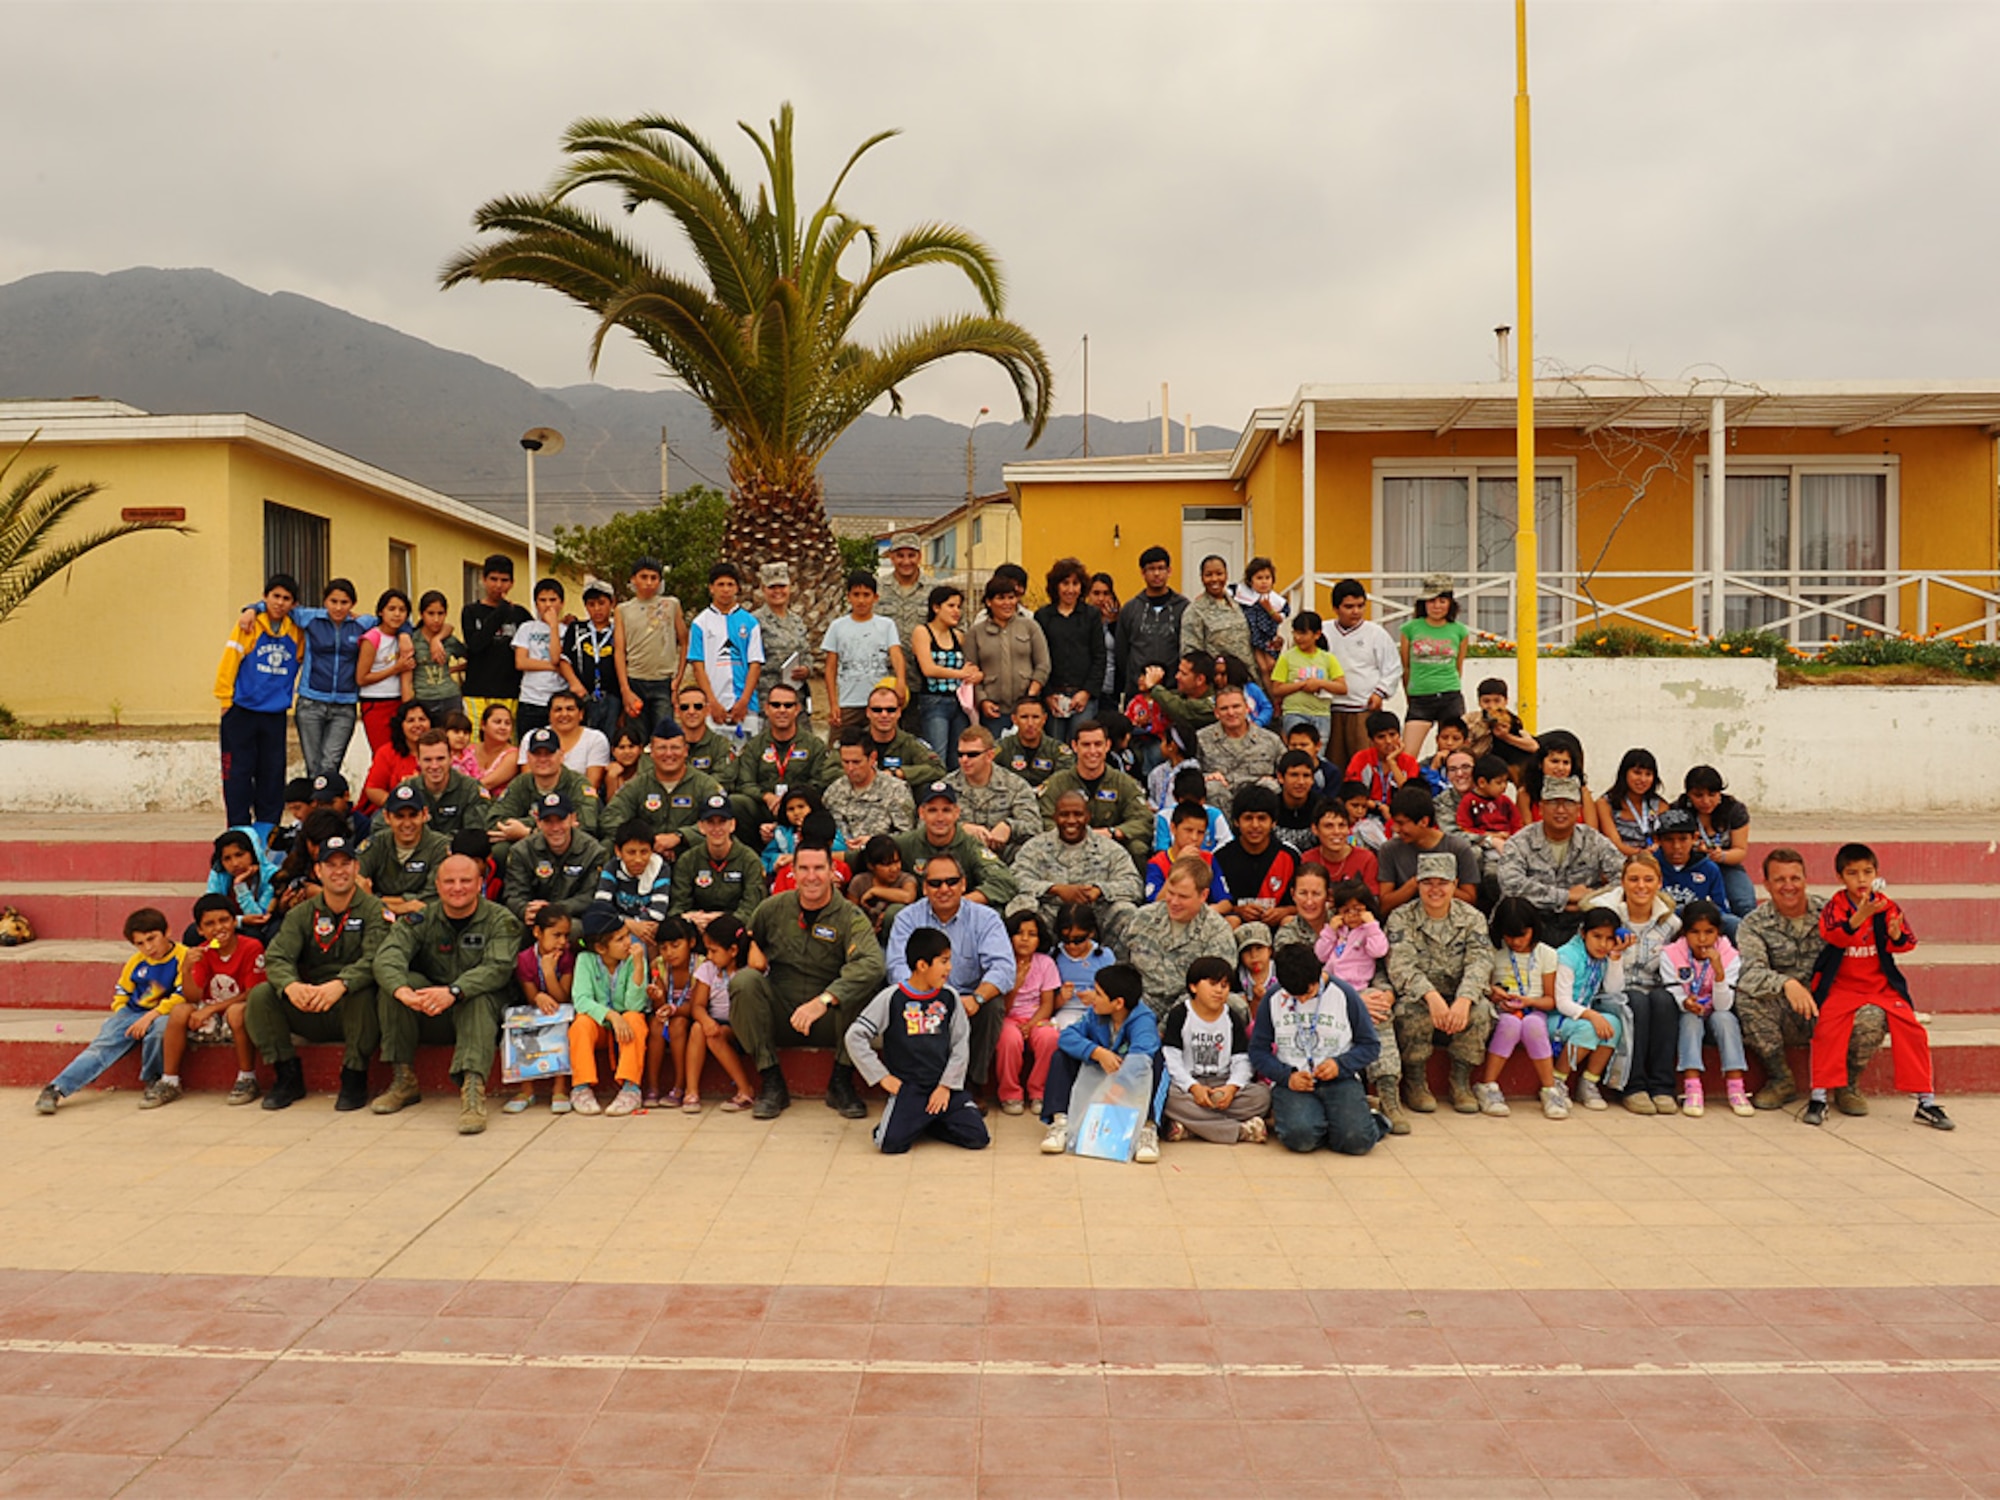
1076,649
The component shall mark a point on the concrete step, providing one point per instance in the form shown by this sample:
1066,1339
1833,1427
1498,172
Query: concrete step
1904,861
26,861
36,1045
89,909
1943,913
60,973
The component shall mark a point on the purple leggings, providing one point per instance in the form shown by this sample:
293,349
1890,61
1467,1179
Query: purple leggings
1529,1030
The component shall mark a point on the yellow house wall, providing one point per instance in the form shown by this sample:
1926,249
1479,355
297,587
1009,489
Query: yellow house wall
1070,519
137,628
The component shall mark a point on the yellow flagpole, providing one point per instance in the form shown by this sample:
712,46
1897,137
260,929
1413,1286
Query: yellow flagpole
1526,561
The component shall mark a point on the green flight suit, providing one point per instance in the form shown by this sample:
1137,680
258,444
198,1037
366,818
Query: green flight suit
462,804
663,808
477,957
518,801
735,886
1116,802
910,758
761,767
830,951
713,755
390,871
536,872
315,944
983,870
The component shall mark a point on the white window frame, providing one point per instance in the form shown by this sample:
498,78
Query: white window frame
1793,470
1473,472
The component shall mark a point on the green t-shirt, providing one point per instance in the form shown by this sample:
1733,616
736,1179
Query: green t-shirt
1306,666
1433,656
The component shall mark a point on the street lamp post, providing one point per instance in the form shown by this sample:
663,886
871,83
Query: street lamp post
536,440
970,485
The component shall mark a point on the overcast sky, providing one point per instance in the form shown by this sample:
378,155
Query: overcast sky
1234,198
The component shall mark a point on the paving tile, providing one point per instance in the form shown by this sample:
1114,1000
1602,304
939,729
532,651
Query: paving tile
1456,1448
908,1444
1691,1446
800,1444
67,1475
175,1478
148,1428
1077,1448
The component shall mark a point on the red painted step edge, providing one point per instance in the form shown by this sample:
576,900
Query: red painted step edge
34,860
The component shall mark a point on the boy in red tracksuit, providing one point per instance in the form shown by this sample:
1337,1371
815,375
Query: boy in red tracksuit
1864,930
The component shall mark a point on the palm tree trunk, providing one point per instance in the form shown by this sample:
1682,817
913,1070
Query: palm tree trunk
769,523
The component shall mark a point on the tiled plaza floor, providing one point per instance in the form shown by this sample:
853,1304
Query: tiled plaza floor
230,1302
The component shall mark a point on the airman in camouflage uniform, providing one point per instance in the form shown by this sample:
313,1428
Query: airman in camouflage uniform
1172,933
1444,953
1070,855
1548,871
1773,1005
884,805
1235,752
1003,799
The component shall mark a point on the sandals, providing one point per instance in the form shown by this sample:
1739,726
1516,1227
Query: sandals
651,1100
559,1104
671,1098
691,1105
518,1104
740,1102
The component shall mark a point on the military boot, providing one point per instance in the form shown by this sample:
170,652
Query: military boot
1417,1089
472,1105
402,1090
1779,1089
842,1096
290,1085
1390,1104
1462,1098
774,1099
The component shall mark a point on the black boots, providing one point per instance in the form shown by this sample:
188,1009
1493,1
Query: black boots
841,1095
353,1090
774,1099
290,1087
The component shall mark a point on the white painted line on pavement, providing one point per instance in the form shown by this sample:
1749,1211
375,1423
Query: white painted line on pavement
468,1359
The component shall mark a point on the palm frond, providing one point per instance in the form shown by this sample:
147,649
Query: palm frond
30,554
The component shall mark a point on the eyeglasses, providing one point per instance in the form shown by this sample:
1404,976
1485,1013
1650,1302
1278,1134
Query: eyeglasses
886,708
942,882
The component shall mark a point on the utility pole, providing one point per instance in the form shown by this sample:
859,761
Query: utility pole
666,492
1086,395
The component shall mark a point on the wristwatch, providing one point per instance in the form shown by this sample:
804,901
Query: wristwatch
456,993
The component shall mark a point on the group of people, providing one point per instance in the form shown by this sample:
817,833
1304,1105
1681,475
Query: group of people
1025,856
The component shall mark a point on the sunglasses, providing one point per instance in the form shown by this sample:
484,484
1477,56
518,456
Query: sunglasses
885,709
942,882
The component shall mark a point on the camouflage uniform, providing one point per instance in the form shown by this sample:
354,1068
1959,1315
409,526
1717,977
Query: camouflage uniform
908,607
983,870
1453,956
1046,860
1116,802
1005,798
1033,766
1161,950
1254,757
1214,626
883,806
1775,949
785,635
1532,867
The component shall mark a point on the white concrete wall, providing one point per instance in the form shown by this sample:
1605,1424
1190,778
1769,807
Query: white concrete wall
108,776
1791,750
1799,750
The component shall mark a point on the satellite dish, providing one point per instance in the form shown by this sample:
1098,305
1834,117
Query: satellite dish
543,440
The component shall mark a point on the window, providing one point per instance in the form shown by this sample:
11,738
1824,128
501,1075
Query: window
474,583
403,568
978,530
1461,520
944,549
1804,535
295,542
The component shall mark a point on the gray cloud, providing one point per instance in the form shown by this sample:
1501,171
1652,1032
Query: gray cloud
1233,198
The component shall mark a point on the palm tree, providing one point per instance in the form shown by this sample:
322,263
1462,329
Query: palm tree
30,555
764,336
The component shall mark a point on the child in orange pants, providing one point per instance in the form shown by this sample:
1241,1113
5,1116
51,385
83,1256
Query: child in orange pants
1864,930
608,990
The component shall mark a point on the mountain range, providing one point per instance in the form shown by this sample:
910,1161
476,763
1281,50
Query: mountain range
181,342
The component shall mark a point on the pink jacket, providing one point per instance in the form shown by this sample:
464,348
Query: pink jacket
1349,953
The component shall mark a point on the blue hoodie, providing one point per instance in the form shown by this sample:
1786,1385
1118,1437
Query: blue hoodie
333,655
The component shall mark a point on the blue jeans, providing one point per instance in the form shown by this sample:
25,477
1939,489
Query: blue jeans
109,1045
1064,728
940,720
1728,1034
1334,1114
656,700
1740,893
324,731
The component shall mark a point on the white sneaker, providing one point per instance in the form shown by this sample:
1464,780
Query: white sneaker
583,1100
1055,1140
1491,1101
1588,1094
1148,1149
1256,1132
1555,1104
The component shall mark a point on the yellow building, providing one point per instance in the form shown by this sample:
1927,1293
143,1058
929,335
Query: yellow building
134,630
1843,506
966,543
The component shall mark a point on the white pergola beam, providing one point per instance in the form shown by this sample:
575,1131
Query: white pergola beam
1886,414
1459,414
1616,414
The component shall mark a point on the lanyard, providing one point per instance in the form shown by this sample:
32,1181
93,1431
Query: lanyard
1520,981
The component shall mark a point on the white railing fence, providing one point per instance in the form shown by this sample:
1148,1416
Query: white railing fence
1811,610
